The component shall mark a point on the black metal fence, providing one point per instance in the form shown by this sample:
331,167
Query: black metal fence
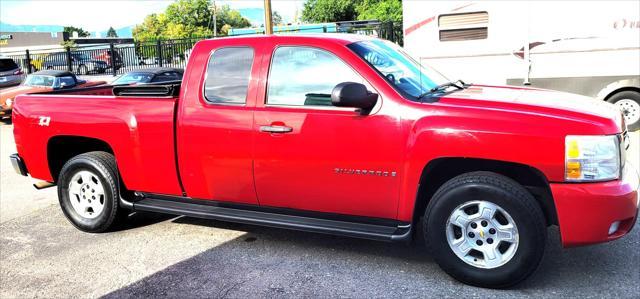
115,59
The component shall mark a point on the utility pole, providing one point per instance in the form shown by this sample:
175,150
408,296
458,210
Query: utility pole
215,21
268,26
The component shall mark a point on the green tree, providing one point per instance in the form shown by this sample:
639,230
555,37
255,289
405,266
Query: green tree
112,32
329,10
348,10
71,29
152,28
190,13
68,44
382,10
276,18
188,18
228,16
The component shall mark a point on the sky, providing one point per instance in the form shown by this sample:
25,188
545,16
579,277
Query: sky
98,15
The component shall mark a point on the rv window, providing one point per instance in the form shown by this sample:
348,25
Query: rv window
463,26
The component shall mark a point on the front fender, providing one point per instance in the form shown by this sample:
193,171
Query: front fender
528,139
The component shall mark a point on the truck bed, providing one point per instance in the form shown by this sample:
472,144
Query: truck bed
138,129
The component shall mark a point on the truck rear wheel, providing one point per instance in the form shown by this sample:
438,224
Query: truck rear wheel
88,192
485,229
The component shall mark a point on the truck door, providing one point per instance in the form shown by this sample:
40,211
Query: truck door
215,122
310,155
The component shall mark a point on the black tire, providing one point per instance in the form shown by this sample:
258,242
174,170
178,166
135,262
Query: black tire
83,70
508,195
104,167
628,95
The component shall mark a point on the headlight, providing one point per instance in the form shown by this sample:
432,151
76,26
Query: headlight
8,102
592,158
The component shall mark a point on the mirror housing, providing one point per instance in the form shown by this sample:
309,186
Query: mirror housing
355,95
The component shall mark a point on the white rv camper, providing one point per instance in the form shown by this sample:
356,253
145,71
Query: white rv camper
585,47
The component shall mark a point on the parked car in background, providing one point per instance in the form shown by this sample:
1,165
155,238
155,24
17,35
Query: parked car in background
10,72
341,134
150,75
80,63
42,81
106,57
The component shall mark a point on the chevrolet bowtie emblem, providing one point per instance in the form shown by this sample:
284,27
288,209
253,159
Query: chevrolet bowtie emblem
481,234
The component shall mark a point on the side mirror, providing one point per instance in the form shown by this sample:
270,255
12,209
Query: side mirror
356,95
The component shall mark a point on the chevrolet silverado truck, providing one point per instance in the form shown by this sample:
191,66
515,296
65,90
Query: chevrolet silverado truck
340,134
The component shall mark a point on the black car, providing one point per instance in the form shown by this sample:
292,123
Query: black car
81,63
150,75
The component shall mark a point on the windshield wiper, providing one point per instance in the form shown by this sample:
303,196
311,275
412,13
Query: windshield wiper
459,84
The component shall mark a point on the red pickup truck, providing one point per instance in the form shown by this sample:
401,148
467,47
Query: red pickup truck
346,135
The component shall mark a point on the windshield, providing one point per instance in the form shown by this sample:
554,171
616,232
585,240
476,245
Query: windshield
134,78
49,81
402,71
38,80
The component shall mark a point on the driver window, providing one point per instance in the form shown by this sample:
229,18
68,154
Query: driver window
304,76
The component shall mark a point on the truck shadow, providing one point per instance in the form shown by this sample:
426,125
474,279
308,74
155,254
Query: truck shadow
141,219
268,262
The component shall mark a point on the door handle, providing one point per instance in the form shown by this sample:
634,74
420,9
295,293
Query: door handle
275,129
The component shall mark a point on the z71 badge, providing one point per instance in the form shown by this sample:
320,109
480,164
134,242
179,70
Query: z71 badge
44,121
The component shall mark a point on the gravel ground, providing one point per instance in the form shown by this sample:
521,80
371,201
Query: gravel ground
42,255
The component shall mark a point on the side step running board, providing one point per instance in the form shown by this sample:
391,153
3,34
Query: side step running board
351,229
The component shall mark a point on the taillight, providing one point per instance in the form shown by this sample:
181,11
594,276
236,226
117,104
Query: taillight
18,72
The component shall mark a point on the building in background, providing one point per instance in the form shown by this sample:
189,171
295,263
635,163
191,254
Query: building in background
13,42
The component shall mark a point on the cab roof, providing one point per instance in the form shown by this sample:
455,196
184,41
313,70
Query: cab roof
339,38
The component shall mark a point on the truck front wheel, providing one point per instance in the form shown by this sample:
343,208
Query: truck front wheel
485,229
88,192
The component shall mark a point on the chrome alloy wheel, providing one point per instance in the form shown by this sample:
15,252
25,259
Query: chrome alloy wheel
86,194
482,234
630,110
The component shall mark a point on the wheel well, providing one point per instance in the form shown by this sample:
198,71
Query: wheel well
439,171
62,148
629,88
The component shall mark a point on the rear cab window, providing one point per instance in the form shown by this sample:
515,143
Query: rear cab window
227,76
